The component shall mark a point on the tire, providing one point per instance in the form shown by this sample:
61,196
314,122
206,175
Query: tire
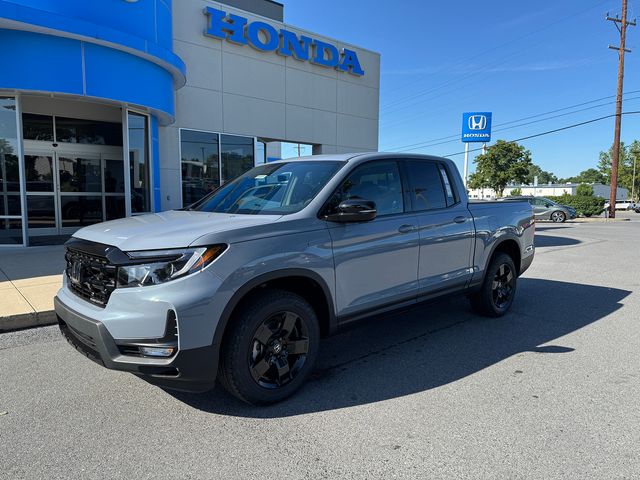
558,217
270,348
498,288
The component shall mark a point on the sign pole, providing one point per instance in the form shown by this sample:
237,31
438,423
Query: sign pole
466,163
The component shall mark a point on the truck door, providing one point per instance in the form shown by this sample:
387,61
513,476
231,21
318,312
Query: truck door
375,262
445,225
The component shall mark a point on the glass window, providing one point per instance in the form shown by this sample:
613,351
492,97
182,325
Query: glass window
427,191
41,211
452,198
38,170
114,176
9,169
115,207
237,156
10,229
10,205
375,181
73,130
79,211
37,127
200,164
275,188
79,174
139,162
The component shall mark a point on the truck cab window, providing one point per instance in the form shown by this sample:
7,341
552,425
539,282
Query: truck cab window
427,190
376,181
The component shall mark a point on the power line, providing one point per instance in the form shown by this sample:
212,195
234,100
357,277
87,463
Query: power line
548,132
430,143
525,124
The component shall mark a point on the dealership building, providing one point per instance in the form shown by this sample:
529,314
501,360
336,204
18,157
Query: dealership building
115,108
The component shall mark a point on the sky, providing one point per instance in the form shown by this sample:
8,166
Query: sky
515,59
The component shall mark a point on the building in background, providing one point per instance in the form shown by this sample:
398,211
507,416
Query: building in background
551,190
121,107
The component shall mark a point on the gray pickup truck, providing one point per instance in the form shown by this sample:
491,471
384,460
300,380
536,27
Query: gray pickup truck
242,285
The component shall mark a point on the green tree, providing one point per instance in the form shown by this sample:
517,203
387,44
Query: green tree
584,190
544,177
590,175
503,163
516,192
625,165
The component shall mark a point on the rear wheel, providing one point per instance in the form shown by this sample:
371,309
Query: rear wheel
271,347
498,289
558,217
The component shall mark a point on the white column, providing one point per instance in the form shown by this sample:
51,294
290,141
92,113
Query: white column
466,164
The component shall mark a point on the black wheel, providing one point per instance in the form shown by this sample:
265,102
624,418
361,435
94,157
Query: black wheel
558,217
271,347
498,289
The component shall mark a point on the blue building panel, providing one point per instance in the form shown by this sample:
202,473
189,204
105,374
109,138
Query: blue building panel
137,19
127,78
40,62
145,26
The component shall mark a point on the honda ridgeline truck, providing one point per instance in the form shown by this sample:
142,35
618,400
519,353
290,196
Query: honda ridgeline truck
242,285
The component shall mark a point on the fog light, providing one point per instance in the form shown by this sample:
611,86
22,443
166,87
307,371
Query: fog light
157,351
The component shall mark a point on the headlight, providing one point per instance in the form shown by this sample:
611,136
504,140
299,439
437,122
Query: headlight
154,267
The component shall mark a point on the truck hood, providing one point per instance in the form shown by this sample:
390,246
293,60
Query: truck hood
172,229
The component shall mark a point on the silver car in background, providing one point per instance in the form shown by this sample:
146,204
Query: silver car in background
545,209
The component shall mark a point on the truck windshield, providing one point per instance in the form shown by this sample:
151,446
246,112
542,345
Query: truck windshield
270,189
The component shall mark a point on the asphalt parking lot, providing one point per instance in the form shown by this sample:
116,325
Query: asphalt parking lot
549,391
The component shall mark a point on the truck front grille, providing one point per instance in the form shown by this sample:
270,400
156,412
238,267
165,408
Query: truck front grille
91,277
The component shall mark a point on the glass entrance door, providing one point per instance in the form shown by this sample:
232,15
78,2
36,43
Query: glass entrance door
70,189
80,191
41,183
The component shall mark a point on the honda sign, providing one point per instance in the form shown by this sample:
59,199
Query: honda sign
476,127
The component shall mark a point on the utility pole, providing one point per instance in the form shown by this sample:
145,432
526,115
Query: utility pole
621,25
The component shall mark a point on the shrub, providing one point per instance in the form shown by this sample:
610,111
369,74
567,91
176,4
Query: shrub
585,205
516,192
584,190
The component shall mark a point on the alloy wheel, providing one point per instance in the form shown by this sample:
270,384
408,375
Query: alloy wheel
279,350
503,286
558,217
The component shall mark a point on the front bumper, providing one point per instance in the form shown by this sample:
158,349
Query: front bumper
192,370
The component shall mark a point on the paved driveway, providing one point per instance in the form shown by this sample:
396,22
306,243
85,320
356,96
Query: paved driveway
550,391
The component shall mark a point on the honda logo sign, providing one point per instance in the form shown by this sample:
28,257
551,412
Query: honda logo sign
477,122
476,127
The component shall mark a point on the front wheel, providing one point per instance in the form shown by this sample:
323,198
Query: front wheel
498,289
271,347
558,217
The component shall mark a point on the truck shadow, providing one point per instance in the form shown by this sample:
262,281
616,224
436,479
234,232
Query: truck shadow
542,241
430,346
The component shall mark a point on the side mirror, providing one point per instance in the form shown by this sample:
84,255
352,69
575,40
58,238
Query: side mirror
548,205
354,210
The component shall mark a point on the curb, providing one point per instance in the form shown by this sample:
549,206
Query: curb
598,220
27,320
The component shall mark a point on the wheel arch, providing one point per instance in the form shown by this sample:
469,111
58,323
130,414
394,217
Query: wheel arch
511,247
309,285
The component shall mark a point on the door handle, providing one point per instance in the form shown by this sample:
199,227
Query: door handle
407,228
460,219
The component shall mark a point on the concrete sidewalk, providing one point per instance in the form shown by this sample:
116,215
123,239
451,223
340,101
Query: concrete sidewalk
29,279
